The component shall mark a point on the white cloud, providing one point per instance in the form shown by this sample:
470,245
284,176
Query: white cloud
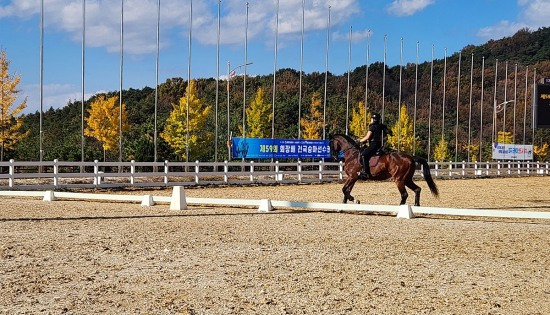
55,95
533,14
140,19
408,7
356,36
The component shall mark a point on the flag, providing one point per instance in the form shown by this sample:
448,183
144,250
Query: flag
232,74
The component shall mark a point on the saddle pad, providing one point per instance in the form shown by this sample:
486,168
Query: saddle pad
374,160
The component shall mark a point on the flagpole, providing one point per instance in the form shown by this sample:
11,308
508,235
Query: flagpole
533,105
274,72
495,103
384,82
217,85
443,107
399,102
301,67
349,70
41,152
525,103
82,80
470,108
120,92
505,99
481,109
415,97
457,104
188,80
157,80
367,79
515,99
326,78
244,77
430,105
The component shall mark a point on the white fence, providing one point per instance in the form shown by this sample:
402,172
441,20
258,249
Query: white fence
59,174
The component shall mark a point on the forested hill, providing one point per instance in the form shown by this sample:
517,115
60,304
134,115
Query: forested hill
62,127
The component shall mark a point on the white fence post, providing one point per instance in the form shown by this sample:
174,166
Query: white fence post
166,167
251,171
546,168
509,166
197,172
341,170
519,168
12,172
463,168
498,168
225,171
55,172
277,171
487,168
132,171
451,169
475,169
97,180
299,171
436,167
321,170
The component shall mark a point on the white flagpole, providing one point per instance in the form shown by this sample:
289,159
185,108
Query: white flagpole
481,109
41,152
515,100
301,67
217,84
495,102
430,105
188,80
82,79
470,108
121,67
245,68
326,77
533,105
157,80
525,103
274,72
399,102
457,104
415,97
505,99
367,79
349,70
384,82
443,107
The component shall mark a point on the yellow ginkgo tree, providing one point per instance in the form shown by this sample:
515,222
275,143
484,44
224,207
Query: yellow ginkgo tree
103,122
360,120
312,123
259,115
10,125
175,130
403,133
441,151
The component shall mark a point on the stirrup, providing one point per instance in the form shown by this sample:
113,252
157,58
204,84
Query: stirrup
363,175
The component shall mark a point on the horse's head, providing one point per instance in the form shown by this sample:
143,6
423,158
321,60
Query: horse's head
335,147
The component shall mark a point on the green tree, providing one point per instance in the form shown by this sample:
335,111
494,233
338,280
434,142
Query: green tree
175,131
359,124
312,123
258,117
403,133
103,122
9,124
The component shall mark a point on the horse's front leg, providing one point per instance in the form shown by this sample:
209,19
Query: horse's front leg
348,186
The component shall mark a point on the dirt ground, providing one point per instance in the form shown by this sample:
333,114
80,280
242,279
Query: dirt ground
79,257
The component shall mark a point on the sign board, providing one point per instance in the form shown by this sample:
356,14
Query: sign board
542,111
261,148
512,152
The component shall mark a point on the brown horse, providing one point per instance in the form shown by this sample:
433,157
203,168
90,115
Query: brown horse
398,166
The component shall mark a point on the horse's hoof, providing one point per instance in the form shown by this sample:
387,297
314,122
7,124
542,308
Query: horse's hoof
356,202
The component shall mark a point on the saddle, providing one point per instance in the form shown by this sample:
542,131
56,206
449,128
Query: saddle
373,161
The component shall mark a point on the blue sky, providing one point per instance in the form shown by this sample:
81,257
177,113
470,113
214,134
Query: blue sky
450,24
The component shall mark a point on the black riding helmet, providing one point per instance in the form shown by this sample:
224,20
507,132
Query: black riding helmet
376,117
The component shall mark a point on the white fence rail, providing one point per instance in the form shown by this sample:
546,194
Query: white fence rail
60,174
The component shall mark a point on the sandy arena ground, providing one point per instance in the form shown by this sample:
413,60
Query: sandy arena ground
79,257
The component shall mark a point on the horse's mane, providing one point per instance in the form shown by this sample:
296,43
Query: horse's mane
348,138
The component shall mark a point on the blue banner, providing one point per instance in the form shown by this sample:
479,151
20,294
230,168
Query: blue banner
261,148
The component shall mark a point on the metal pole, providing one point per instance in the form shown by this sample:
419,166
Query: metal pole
505,99
470,108
430,105
444,83
217,86
525,102
120,92
415,97
384,82
188,81
301,67
228,132
157,80
326,78
495,103
399,102
457,104
41,152
82,81
533,105
349,70
367,79
481,108
515,99
244,77
274,72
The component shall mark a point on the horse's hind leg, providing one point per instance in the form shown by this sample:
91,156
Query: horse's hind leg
414,187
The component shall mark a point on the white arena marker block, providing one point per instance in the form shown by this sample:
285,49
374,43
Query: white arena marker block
178,201
405,212
147,201
265,205
48,195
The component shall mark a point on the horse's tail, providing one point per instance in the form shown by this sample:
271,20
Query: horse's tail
427,175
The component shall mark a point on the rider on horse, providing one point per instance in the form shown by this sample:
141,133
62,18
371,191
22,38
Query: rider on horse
374,136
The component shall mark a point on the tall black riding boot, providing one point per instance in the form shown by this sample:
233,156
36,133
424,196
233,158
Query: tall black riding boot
365,173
